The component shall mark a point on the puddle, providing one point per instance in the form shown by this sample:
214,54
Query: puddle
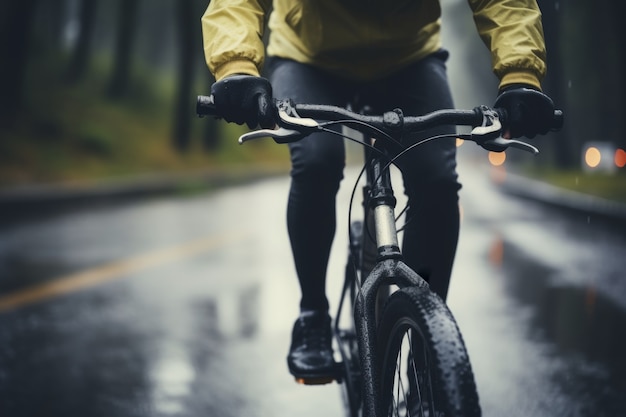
584,328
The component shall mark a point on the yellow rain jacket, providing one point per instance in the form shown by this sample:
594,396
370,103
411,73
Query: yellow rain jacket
366,39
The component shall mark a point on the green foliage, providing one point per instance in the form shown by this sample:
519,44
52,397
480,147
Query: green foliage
74,132
605,185
592,51
95,139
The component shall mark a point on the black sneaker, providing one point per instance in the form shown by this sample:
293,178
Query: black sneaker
310,357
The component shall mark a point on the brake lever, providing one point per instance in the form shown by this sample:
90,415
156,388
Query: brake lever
500,144
280,135
488,135
301,122
302,127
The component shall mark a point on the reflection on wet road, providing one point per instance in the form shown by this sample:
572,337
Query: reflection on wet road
584,327
544,315
167,307
191,300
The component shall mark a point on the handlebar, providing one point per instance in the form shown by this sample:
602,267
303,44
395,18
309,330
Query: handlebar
296,121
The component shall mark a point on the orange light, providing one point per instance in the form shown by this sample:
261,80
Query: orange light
620,158
459,142
498,174
497,158
593,157
496,251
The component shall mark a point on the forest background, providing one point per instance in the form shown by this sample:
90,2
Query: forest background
92,90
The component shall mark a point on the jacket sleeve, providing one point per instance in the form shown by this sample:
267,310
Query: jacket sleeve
232,32
513,32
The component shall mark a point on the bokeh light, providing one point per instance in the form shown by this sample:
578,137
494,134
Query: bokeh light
593,157
497,158
620,158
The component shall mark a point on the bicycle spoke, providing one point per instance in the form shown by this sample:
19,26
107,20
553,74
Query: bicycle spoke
399,384
414,376
407,396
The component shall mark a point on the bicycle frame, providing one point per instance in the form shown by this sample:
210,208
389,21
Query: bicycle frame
388,270
296,122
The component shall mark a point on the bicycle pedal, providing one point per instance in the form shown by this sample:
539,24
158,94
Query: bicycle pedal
323,380
315,381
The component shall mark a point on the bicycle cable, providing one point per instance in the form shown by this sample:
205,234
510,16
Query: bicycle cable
347,122
392,161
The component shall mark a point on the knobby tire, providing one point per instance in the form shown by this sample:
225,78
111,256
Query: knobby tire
423,363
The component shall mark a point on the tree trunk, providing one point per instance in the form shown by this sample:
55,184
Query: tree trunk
49,25
555,83
15,29
127,19
81,54
617,85
183,111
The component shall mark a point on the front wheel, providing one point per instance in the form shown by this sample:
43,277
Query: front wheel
423,365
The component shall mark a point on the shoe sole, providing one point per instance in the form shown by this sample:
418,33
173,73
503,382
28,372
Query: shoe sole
315,381
321,378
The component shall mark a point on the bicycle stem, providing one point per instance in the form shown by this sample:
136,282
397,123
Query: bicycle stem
382,203
386,234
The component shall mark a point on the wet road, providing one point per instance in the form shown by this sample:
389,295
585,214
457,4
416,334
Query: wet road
183,307
540,298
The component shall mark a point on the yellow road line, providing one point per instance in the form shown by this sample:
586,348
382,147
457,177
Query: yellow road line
110,272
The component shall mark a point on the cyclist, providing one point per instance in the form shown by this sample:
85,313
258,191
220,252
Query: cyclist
388,53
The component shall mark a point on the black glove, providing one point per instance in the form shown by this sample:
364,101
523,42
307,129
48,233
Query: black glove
529,111
244,99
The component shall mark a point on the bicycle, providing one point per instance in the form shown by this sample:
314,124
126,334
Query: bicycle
407,357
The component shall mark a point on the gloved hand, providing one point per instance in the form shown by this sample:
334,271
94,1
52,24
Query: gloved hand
529,111
244,99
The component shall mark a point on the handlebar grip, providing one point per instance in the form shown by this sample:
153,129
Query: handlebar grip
205,106
557,121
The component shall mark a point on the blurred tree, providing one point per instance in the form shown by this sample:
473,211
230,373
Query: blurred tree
555,83
593,54
16,19
81,54
49,24
187,44
189,47
156,38
615,12
122,58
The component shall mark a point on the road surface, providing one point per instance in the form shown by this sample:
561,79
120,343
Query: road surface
183,306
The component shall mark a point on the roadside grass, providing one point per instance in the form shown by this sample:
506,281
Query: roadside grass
76,133
67,133
605,185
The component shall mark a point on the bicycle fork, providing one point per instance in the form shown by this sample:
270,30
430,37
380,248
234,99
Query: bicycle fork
382,203
389,269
